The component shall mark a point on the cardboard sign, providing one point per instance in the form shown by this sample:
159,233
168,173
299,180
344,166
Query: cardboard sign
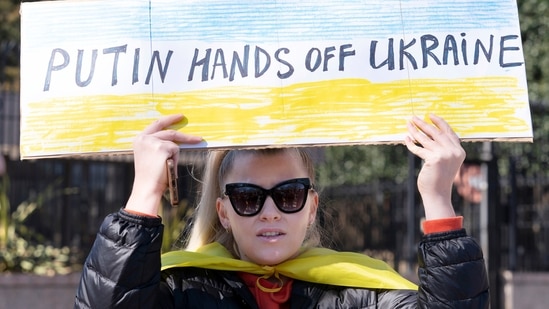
264,73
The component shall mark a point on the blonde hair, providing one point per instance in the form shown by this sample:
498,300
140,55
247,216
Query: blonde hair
206,227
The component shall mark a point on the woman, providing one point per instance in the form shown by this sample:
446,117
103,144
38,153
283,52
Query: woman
254,237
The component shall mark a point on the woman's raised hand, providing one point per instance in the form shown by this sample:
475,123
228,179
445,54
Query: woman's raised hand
440,148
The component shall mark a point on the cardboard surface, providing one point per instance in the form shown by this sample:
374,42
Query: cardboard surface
263,73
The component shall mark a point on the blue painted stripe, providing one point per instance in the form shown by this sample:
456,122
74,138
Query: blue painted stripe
268,21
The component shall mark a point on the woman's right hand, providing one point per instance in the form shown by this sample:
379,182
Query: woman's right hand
151,148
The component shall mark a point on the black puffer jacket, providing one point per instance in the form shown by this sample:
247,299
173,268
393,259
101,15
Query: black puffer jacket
123,271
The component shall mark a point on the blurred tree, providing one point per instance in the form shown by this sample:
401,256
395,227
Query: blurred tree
532,159
9,42
534,22
352,165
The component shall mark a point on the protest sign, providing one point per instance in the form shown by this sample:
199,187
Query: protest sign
267,73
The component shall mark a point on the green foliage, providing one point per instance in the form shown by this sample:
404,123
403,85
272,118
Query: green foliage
353,165
534,22
532,159
21,248
175,221
9,20
9,41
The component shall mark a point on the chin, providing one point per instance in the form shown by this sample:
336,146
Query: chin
271,258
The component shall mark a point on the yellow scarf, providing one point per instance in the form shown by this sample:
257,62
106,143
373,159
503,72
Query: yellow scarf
318,265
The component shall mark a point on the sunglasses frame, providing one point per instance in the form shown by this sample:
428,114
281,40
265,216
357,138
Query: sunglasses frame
306,182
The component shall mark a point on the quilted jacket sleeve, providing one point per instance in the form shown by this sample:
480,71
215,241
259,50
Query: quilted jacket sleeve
120,280
452,272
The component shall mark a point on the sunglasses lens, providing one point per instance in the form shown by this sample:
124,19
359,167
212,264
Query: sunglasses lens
246,200
290,197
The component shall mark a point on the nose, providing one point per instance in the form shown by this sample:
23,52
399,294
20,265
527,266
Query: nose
269,212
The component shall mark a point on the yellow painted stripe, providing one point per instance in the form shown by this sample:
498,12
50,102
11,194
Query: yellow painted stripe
346,111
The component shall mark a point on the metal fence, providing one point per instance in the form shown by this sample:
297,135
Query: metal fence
9,123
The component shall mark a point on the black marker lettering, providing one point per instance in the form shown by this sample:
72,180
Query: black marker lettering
204,62
116,51
389,61
284,62
464,48
241,64
258,70
427,49
161,69
135,75
309,56
343,53
403,52
78,74
52,67
327,56
450,45
487,53
503,49
219,61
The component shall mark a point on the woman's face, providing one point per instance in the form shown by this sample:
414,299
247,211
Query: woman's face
271,236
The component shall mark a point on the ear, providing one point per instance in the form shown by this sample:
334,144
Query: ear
313,207
222,213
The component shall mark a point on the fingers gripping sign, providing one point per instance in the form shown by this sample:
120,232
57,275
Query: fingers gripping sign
152,148
440,149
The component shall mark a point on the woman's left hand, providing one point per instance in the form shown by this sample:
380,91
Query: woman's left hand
440,148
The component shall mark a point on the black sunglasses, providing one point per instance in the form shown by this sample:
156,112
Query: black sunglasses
248,199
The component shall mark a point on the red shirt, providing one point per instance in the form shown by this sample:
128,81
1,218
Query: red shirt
268,300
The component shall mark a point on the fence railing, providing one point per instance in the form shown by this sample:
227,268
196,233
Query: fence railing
9,123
